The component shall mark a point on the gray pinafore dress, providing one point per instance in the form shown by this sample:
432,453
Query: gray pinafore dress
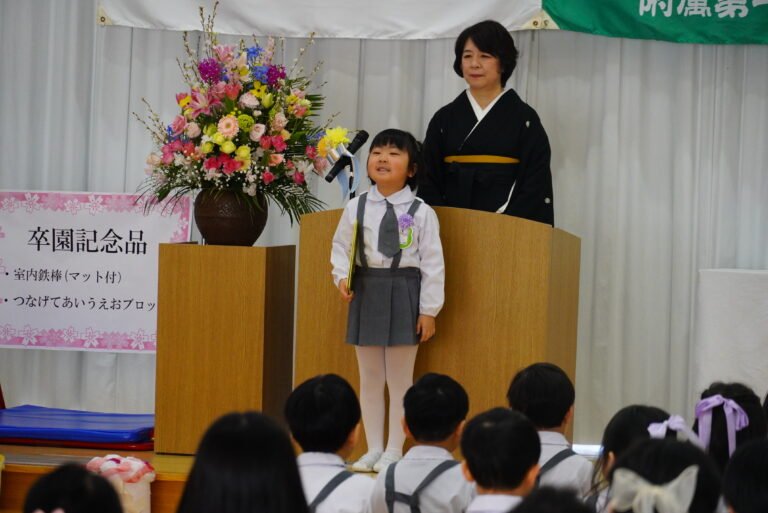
385,307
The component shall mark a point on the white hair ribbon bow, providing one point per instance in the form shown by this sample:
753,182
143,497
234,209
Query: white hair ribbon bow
632,492
675,423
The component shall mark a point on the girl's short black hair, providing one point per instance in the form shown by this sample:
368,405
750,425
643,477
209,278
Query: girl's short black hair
661,461
552,500
73,489
745,484
750,403
406,142
490,37
322,412
244,463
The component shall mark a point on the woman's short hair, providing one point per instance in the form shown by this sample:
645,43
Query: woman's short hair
244,463
72,489
490,37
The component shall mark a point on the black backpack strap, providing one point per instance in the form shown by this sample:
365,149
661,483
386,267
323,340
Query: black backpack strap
361,201
328,489
411,212
412,500
554,461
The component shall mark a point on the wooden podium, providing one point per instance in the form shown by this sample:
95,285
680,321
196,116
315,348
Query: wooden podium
224,337
512,289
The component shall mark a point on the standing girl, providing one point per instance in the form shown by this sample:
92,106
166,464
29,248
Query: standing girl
397,286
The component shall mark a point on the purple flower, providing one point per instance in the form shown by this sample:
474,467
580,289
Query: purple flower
210,70
275,73
405,221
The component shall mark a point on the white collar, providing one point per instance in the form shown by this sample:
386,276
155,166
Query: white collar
479,111
553,438
494,502
427,452
320,459
404,195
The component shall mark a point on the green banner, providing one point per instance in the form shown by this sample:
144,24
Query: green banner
682,21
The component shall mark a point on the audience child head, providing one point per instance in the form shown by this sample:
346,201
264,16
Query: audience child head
663,476
72,489
244,463
552,500
629,425
728,415
323,414
501,449
436,407
544,393
745,483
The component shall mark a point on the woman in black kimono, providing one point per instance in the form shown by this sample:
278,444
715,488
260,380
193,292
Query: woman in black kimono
487,150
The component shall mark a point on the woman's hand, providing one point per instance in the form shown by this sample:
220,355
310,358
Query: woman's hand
425,326
346,294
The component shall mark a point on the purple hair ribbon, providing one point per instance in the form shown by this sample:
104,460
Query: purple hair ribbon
675,423
736,419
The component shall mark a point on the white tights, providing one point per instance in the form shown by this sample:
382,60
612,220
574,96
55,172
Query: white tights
378,365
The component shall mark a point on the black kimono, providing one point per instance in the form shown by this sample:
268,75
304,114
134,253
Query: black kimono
510,130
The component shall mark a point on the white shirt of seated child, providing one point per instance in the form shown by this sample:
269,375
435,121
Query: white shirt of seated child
351,496
574,473
449,493
494,503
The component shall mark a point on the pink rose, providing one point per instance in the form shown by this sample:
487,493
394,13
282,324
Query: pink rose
153,160
276,158
257,131
232,90
279,122
279,143
249,101
267,177
218,90
192,130
265,142
310,152
178,125
300,111
298,177
320,165
231,165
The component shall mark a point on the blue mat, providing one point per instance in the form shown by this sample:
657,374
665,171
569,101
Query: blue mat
80,426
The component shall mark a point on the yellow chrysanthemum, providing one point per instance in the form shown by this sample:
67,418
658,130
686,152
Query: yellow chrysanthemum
337,136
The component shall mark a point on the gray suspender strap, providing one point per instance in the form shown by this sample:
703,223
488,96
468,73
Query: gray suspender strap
329,488
390,495
554,461
591,501
411,212
359,235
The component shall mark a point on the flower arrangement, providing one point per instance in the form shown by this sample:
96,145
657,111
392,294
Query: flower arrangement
129,476
244,125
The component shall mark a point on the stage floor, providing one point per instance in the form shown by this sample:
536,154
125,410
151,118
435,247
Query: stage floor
25,464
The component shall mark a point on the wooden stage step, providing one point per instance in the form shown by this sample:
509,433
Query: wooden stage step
24,465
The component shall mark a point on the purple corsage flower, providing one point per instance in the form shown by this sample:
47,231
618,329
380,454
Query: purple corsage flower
405,221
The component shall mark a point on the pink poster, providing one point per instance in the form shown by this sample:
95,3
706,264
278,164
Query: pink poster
78,271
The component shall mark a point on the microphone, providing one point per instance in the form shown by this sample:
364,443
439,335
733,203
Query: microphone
344,161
